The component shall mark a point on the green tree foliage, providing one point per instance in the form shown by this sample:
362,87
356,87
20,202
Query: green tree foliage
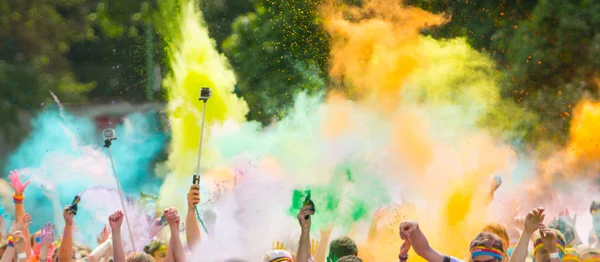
547,50
277,50
220,14
553,58
34,38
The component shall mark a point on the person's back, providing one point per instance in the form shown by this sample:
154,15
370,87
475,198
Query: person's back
341,247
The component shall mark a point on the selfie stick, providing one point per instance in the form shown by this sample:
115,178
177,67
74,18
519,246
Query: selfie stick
107,144
205,94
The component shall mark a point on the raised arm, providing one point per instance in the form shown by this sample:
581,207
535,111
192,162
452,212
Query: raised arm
410,230
379,213
66,245
115,221
18,197
549,238
304,217
192,230
532,222
104,246
47,237
175,245
323,244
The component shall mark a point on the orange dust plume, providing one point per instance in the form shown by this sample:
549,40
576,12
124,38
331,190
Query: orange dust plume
584,140
371,47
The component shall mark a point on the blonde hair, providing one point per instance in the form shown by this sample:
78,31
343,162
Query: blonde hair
139,257
559,236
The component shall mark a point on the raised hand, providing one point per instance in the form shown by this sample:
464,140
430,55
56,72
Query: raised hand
567,217
379,214
16,184
533,220
548,238
68,215
104,235
172,217
407,228
304,217
19,241
115,220
193,197
314,246
278,245
47,235
25,221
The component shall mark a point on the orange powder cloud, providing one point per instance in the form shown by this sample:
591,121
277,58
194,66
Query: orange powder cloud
584,135
371,54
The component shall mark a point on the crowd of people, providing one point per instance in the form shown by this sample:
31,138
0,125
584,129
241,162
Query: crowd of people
524,239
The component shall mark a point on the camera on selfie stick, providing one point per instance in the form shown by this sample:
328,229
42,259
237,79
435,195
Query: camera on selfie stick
109,135
205,94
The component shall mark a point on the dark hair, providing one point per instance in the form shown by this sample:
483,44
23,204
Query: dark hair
341,247
350,259
565,228
595,206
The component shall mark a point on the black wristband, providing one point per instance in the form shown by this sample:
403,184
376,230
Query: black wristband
403,258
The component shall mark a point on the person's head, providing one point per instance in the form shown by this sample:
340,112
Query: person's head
571,255
277,255
80,251
350,259
590,254
540,254
595,212
486,247
157,249
341,247
565,228
139,257
500,231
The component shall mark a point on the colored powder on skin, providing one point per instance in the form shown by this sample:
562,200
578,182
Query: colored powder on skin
63,156
195,63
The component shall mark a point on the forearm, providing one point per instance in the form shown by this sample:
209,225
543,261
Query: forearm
27,235
176,246
422,248
117,244
19,210
304,246
43,254
322,249
9,254
519,254
192,230
101,250
372,232
66,245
